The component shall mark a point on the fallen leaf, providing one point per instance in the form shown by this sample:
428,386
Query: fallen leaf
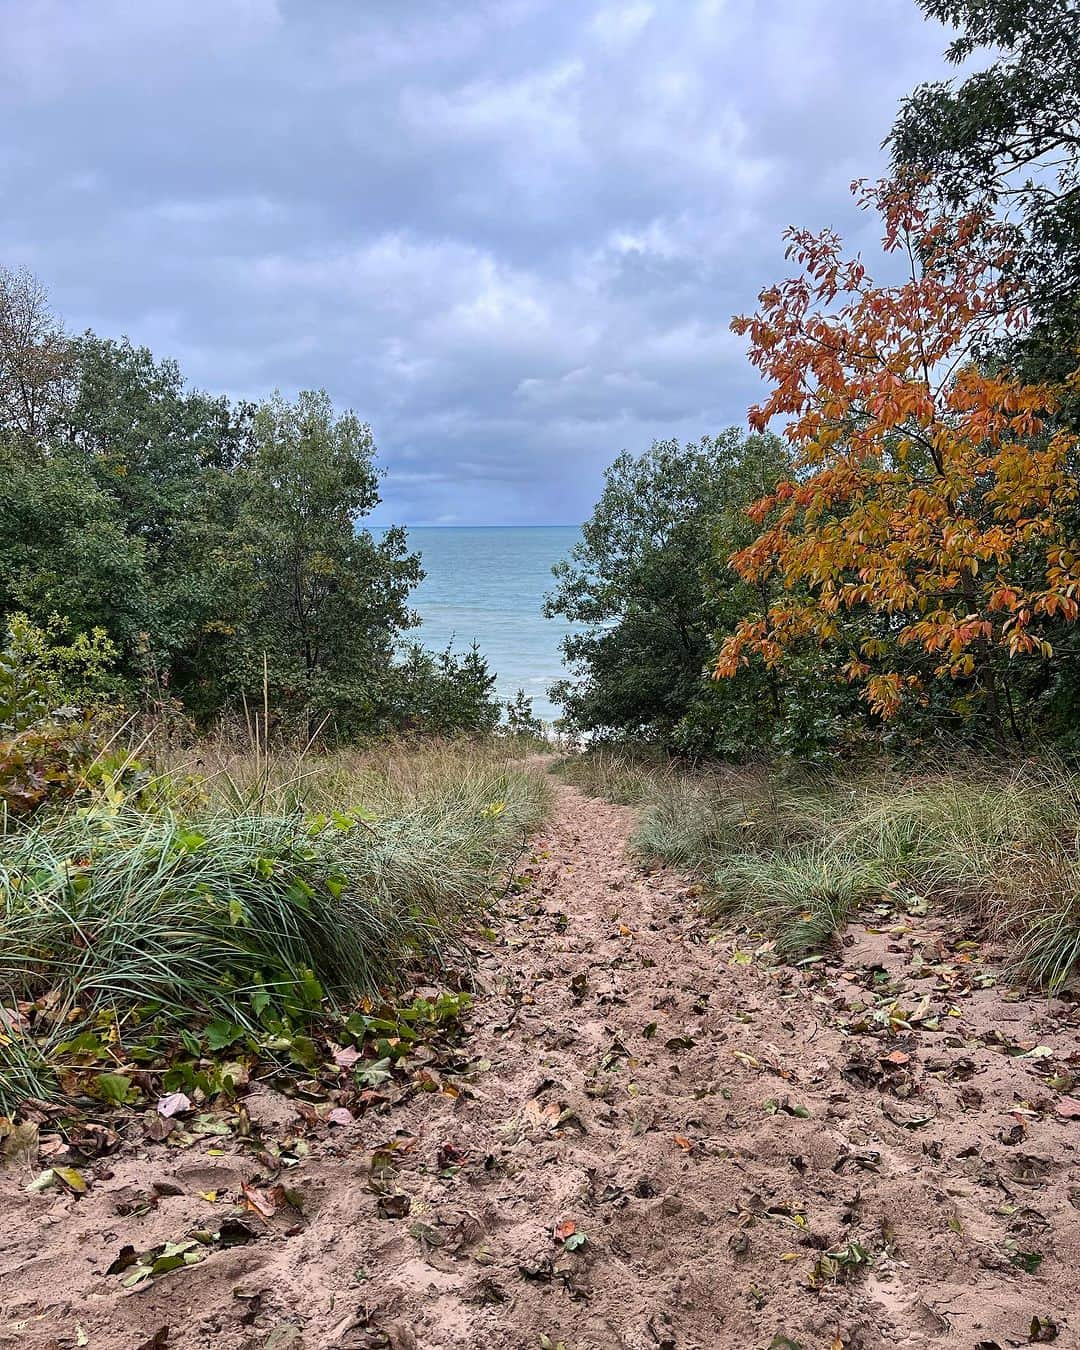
124,1261
73,1179
426,1235
173,1105
258,1201
564,1230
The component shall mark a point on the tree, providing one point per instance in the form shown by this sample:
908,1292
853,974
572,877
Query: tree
167,457
441,692
328,600
34,358
119,512
209,542
636,584
1006,139
929,493
65,547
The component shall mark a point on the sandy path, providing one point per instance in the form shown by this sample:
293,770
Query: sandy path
678,1103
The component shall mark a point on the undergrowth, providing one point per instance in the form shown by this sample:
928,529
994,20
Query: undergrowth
241,899
795,854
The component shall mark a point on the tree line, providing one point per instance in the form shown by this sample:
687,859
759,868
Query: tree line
216,548
901,565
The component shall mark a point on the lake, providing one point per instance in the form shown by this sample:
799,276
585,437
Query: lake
486,584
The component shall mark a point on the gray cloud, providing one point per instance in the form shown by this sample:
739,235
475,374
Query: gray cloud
510,234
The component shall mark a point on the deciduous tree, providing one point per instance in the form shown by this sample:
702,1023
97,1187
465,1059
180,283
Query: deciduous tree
34,357
930,492
646,602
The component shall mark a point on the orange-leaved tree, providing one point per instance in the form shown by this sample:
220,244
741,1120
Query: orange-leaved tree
931,489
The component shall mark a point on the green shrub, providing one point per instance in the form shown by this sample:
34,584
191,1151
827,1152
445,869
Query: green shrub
442,694
50,685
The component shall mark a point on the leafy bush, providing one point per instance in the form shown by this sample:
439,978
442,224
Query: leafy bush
49,686
44,667
442,693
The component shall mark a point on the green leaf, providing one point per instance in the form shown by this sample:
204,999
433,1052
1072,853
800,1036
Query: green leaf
222,1033
114,1087
373,1073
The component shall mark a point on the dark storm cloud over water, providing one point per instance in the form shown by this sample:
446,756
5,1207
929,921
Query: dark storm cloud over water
510,234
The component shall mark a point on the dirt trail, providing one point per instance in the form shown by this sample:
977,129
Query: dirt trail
682,1105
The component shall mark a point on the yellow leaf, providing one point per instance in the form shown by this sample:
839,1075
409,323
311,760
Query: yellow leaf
72,1178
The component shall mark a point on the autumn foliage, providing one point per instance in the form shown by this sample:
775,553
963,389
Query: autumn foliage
931,489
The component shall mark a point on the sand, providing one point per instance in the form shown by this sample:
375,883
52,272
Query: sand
664,1135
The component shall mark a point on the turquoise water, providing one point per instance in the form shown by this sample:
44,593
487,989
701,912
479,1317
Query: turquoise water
486,584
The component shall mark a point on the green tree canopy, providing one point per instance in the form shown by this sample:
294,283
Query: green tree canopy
328,599
210,542
636,584
1009,135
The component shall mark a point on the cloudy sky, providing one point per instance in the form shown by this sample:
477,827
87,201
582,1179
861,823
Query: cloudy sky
509,233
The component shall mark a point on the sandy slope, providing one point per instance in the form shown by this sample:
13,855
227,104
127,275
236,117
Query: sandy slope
685,1108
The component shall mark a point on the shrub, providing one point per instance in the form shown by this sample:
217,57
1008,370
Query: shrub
442,694
50,684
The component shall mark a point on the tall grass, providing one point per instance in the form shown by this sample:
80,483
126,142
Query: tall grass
440,819
282,878
794,855
628,778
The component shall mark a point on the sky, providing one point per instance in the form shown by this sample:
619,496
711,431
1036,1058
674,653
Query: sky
510,234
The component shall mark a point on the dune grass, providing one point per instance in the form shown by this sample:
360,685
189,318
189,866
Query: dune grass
794,855
249,887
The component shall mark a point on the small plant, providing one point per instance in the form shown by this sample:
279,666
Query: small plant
521,721
840,1263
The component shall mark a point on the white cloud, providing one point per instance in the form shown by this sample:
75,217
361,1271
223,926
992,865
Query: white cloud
622,22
